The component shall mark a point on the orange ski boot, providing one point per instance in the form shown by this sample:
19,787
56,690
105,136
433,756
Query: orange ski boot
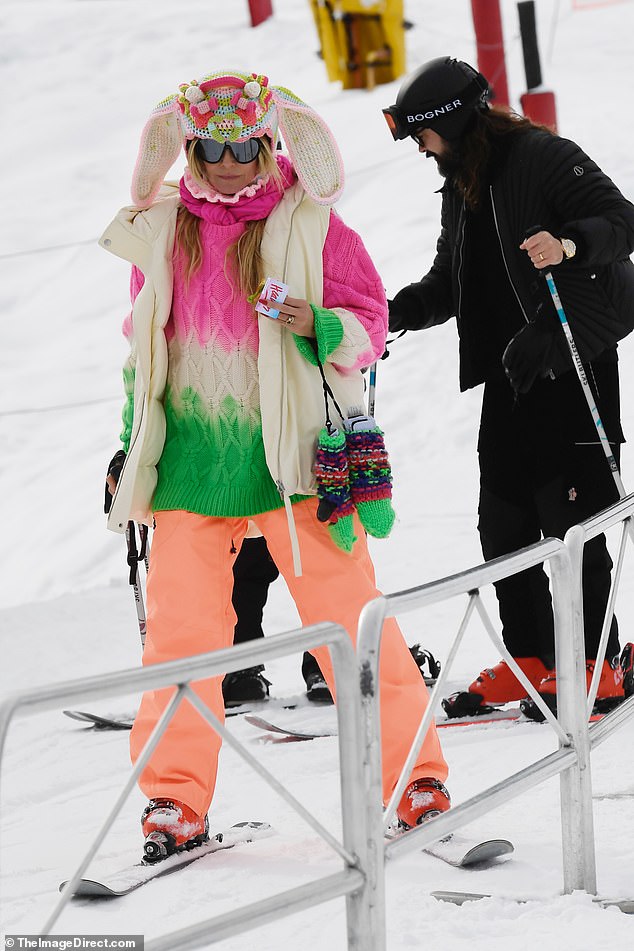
170,826
423,799
616,683
494,686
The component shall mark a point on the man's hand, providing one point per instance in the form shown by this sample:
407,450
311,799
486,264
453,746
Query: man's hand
396,318
543,249
529,354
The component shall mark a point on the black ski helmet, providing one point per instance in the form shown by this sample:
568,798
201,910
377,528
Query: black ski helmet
440,95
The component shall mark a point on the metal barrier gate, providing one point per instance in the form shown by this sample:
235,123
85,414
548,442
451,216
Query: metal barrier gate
364,848
571,760
351,882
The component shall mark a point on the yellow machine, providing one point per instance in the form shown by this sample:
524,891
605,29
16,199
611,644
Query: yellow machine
362,43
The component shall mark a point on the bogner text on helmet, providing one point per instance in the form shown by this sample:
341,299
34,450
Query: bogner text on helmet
441,110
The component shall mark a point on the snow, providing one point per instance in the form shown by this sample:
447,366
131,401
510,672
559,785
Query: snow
80,78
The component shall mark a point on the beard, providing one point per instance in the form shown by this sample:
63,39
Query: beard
449,163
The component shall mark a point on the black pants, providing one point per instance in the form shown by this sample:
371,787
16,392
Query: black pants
253,571
542,470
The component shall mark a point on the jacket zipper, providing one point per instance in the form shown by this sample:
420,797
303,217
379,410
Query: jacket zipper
292,528
508,273
461,260
280,485
130,448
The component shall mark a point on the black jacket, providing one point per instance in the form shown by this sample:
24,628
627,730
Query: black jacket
537,179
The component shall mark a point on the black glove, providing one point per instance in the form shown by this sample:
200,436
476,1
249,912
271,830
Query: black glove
397,318
114,469
530,354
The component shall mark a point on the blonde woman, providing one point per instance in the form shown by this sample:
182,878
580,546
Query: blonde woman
225,405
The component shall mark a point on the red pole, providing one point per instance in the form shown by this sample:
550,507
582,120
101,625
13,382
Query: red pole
487,22
260,11
540,107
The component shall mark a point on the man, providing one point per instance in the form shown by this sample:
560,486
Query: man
517,200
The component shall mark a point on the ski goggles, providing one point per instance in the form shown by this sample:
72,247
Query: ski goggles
243,152
395,123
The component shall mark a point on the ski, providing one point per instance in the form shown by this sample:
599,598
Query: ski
125,721
298,734
461,851
99,722
625,905
126,880
288,734
275,703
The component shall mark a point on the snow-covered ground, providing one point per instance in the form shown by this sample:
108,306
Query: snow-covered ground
80,78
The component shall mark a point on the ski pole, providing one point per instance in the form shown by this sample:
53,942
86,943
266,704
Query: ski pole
134,557
372,389
583,379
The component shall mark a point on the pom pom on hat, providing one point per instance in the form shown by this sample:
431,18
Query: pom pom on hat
194,94
252,89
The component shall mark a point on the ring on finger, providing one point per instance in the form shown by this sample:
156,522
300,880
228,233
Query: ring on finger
541,256
290,320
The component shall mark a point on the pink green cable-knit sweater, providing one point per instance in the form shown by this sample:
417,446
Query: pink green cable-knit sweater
213,460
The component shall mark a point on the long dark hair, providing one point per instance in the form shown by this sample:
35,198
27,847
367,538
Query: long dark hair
478,145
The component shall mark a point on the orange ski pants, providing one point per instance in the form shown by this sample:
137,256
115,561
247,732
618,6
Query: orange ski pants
190,612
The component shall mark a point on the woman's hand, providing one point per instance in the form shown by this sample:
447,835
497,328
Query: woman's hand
112,477
543,249
297,315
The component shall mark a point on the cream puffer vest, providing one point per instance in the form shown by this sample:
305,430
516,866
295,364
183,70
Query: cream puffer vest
291,393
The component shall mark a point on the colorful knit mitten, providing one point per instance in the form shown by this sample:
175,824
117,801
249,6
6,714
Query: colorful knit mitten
333,489
370,475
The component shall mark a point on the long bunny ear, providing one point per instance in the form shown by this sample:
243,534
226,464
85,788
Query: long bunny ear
311,146
161,142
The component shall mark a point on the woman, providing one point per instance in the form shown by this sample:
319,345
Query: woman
225,405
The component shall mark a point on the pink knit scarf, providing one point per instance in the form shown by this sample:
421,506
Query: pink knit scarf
254,204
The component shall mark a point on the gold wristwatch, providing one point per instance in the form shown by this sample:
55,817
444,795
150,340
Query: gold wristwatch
569,247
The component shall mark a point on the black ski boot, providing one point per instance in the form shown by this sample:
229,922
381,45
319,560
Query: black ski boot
317,690
245,686
426,663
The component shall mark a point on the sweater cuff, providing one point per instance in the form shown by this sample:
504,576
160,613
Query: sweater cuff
329,334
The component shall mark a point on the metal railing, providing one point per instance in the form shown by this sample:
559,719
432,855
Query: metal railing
364,849
351,882
576,737
619,513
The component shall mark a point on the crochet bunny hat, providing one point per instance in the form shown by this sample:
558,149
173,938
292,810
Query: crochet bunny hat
232,107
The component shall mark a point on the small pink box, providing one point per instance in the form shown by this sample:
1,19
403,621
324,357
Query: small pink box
273,292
